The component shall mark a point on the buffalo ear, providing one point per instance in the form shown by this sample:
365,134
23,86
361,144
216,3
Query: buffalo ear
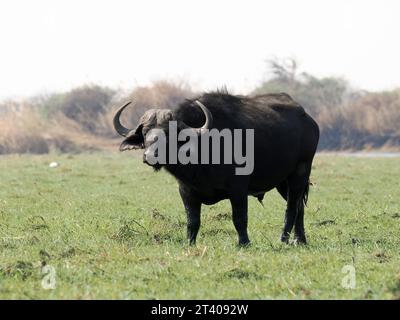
134,141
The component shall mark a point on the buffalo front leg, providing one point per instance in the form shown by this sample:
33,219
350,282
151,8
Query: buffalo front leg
239,217
192,208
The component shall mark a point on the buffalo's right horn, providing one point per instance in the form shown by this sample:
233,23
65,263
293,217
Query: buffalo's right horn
208,115
117,124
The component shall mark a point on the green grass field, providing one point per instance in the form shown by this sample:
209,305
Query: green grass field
113,229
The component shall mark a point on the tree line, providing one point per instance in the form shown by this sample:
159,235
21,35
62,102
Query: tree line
81,119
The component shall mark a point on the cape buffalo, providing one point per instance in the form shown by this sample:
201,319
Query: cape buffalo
285,142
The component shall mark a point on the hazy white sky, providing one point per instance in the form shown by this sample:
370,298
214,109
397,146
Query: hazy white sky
49,45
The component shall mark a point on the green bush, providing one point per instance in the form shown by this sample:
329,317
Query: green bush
83,105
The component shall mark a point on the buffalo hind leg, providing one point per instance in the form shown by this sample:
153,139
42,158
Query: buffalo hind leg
193,209
299,233
239,217
297,185
294,196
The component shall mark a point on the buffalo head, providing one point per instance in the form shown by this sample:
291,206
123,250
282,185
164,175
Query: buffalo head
141,137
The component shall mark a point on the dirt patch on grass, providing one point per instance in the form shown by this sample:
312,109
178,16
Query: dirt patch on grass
237,273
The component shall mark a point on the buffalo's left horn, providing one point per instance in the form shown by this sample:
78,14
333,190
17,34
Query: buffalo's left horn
208,115
117,124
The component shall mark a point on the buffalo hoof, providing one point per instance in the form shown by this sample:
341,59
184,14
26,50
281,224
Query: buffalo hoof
300,240
285,238
244,244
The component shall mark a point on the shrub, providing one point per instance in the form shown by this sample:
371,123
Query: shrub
371,121
84,105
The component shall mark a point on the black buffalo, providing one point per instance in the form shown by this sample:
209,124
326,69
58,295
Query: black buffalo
285,142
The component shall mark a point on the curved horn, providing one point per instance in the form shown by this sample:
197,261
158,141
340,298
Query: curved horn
117,124
208,115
